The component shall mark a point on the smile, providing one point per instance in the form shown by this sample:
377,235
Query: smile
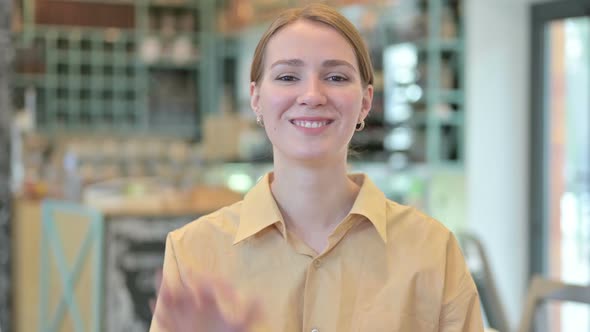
310,124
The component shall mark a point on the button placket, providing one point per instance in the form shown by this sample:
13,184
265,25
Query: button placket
317,263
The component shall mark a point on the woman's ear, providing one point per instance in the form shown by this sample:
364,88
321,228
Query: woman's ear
254,97
367,102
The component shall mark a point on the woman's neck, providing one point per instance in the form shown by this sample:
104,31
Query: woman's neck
313,199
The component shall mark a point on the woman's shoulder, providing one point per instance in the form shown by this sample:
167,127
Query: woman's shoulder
201,243
219,225
414,224
392,216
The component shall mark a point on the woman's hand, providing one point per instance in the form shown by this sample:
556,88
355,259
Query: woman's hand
157,284
197,308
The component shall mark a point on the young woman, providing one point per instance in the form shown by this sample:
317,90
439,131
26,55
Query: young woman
312,248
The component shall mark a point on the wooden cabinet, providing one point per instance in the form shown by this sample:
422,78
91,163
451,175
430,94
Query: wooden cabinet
26,239
78,268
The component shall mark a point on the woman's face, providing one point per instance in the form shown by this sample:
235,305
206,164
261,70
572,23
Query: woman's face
310,95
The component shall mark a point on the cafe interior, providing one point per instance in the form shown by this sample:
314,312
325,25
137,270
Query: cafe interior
122,120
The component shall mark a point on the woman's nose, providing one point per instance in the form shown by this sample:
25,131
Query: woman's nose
313,94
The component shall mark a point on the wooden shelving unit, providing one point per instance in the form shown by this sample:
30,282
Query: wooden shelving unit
149,72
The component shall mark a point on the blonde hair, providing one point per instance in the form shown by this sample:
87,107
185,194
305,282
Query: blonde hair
322,14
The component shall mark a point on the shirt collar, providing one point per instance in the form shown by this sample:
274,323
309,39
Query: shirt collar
259,209
370,203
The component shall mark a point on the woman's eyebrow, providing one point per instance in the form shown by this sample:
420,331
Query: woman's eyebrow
300,63
288,62
335,63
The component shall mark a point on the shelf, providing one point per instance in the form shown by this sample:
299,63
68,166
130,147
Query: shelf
428,169
447,45
442,45
227,46
94,58
191,66
76,32
187,5
445,96
455,119
450,96
22,80
195,36
421,119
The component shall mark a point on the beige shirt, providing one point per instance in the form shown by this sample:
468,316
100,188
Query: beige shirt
387,267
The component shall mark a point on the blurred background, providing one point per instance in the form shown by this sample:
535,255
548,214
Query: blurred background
121,120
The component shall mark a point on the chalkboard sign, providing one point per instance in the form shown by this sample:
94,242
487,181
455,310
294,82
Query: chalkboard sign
134,251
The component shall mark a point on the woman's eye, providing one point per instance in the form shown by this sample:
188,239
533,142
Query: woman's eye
337,78
287,78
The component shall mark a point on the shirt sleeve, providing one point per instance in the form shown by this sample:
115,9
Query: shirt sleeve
461,310
170,276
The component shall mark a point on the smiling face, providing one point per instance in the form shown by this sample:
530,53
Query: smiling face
310,95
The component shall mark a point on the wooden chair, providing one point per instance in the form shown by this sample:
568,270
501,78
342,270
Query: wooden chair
481,272
542,290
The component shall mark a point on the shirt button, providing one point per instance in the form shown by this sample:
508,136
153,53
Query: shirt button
317,263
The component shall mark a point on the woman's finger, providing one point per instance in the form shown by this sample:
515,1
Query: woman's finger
162,313
226,290
252,315
197,306
158,280
152,304
207,300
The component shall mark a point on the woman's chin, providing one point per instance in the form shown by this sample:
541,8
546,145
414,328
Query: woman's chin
315,157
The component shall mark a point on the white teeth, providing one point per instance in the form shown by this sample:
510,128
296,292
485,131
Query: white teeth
310,124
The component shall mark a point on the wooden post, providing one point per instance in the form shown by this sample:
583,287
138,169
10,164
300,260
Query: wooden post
5,192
